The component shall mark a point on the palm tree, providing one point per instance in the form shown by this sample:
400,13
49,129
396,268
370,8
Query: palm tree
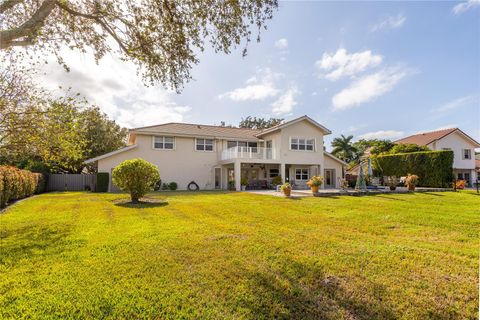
343,148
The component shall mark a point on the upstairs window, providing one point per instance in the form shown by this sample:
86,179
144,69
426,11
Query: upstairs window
233,144
164,143
204,145
467,154
302,144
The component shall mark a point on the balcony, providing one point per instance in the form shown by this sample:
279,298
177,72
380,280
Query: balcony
258,153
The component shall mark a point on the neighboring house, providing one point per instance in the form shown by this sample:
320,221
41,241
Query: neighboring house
213,156
462,145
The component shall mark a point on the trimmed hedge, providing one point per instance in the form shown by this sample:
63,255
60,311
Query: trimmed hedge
434,168
102,182
18,184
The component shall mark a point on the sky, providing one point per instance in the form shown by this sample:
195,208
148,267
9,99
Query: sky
368,69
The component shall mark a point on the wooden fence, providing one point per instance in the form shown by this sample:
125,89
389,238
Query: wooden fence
71,182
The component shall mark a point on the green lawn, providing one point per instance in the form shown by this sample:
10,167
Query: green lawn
238,255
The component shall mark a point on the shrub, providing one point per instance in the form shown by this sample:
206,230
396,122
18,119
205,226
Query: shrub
172,186
102,182
277,180
244,181
136,176
435,168
17,184
165,186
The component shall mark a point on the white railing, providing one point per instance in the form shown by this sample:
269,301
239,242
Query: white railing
248,153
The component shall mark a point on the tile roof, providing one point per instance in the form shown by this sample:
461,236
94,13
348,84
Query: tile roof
200,130
423,139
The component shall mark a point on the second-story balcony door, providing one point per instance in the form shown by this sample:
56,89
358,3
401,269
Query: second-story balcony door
268,145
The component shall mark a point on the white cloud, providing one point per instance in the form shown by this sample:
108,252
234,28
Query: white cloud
391,22
281,43
115,87
382,134
464,6
458,103
368,88
343,64
285,103
259,87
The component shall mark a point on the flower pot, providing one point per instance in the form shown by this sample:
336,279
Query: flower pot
244,187
392,188
411,187
314,189
287,192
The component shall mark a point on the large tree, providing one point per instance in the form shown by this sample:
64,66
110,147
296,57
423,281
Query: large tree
162,37
343,148
259,123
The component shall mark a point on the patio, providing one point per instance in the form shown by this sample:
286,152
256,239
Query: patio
345,192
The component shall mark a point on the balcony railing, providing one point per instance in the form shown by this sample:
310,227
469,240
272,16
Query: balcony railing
249,153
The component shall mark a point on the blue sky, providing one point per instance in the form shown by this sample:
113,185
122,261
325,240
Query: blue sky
370,69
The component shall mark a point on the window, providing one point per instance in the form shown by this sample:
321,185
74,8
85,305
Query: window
232,144
204,145
301,174
273,173
467,154
164,143
302,144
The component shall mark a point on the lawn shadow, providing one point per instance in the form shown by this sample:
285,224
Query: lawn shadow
432,194
33,240
301,291
144,203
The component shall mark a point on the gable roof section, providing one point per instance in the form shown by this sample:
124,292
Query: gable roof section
106,155
426,138
198,130
291,122
328,154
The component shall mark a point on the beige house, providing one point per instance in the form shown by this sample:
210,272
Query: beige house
215,156
462,145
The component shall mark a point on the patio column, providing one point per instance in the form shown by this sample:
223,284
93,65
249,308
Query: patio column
238,173
282,172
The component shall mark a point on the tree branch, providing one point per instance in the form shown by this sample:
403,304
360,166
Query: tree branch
97,19
7,4
28,28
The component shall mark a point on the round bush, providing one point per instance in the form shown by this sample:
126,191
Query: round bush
136,176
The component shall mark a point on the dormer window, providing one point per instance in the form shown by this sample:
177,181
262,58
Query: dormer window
204,144
302,144
164,143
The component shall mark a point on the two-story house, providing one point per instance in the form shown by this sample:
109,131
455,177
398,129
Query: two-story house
462,145
216,156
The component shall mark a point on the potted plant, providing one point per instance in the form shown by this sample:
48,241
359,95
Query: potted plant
286,188
244,183
392,182
231,185
411,181
314,183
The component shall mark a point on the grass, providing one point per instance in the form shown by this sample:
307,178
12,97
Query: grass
241,256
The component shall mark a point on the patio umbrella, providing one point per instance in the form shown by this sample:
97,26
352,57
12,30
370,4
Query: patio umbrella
370,171
361,183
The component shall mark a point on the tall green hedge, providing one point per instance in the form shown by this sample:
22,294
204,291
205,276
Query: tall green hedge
434,168
17,184
102,182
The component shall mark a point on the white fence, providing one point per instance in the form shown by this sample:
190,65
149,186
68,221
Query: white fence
248,153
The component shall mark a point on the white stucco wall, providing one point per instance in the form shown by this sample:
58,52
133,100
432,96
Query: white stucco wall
337,166
181,165
457,143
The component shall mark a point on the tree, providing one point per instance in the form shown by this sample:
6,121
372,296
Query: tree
102,134
376,147
162,37
343,148
407,148
136,176
259,123
21,104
